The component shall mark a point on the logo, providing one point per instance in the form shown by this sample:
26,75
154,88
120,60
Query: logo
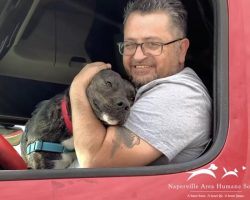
211,171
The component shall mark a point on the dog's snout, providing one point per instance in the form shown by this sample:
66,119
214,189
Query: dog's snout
122,105
127,108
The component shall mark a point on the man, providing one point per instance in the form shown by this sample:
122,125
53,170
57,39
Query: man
170,119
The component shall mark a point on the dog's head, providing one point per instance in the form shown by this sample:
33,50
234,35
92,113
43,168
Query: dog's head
110,97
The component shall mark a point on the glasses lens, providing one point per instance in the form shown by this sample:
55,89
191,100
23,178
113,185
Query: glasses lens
129,48
152,48
148,48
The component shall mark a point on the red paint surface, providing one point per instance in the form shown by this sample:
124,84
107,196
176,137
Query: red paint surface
235,154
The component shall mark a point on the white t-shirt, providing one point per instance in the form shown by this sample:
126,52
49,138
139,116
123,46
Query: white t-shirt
173,114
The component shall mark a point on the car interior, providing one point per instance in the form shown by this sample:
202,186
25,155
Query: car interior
44,44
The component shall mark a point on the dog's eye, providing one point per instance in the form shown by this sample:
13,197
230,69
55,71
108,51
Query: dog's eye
108,83
131,98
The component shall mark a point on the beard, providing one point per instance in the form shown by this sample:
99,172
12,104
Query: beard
141,78
139,81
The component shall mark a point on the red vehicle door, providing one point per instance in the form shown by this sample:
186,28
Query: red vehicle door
222,172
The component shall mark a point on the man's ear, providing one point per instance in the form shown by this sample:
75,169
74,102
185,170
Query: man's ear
183,50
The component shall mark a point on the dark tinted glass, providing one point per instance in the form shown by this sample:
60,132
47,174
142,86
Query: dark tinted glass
43,44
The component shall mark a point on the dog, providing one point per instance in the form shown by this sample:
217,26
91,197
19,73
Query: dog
47,142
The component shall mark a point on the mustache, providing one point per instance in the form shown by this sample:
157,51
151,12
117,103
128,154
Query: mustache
147,62
136,63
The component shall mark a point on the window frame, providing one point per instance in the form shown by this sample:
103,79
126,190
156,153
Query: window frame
220,119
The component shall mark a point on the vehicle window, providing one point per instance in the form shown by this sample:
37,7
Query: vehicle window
12,14
44,44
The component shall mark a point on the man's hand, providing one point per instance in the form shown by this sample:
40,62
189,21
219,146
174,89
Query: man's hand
87,73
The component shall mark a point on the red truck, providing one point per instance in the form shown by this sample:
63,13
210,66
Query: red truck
43,43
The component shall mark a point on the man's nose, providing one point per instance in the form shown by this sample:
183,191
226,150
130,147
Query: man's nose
139,53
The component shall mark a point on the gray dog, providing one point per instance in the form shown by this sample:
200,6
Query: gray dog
47,142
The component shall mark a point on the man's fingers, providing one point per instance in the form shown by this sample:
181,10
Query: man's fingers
100,64
97,66
106,66
88,71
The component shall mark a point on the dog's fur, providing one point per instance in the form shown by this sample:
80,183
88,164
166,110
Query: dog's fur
110,97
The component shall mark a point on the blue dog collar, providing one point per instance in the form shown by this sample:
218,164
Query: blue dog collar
46,146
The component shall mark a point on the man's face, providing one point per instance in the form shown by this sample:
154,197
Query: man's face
153,27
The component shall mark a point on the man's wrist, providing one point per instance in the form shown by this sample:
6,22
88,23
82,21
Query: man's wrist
77,88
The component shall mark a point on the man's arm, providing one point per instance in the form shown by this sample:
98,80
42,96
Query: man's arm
97,146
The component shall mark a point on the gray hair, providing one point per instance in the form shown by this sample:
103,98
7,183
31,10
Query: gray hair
173,8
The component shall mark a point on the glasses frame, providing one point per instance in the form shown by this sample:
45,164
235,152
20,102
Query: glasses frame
121,44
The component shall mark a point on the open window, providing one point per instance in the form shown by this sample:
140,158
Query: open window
44,43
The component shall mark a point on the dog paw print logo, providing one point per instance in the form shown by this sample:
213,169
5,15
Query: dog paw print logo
210,171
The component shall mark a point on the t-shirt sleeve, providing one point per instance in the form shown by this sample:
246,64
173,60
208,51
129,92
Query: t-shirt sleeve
169,117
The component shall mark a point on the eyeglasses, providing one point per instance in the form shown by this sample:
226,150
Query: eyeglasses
148,48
